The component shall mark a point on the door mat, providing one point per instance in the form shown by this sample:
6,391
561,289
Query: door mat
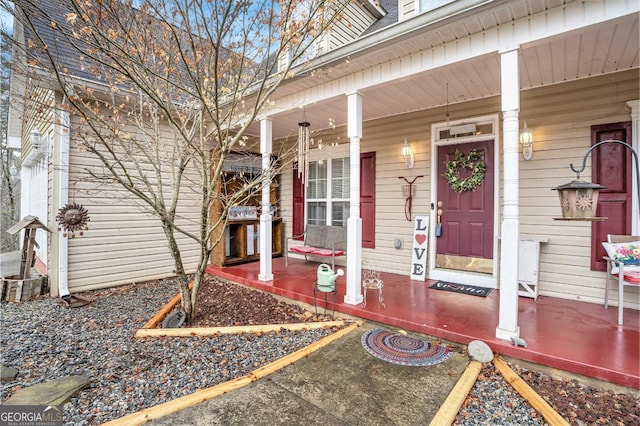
404,350
462,288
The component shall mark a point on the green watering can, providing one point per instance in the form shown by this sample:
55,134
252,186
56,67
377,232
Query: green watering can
326,278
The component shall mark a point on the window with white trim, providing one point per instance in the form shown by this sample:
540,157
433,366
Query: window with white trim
327,197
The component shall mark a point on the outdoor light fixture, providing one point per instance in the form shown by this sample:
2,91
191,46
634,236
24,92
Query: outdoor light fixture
34,138
526,139
408,155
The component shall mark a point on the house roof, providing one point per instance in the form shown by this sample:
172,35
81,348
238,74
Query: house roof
54,24
45,15
389,6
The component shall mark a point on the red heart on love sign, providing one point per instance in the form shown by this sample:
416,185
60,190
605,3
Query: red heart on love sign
421,238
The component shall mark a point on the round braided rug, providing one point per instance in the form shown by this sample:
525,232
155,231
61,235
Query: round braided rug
403,350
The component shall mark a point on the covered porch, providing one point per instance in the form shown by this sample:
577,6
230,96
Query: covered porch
578,337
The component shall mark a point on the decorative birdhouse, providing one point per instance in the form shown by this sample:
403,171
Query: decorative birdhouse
579,200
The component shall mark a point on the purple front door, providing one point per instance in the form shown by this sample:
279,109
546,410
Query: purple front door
465,240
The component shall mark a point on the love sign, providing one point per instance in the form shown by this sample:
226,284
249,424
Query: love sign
419,251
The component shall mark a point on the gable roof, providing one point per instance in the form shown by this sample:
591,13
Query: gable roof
389,6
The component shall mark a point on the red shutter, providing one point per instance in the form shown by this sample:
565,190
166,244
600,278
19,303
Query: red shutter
611,167
368,198
298,206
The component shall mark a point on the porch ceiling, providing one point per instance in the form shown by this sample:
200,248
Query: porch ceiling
592,51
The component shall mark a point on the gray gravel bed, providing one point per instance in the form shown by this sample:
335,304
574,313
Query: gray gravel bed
45,340
493,401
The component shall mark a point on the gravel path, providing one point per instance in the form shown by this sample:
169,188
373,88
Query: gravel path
492,401
45,340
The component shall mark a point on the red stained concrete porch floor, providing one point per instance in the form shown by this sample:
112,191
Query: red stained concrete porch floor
574,336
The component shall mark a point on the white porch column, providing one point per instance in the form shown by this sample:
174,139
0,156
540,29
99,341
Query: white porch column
510,230
354,222
266,218
635,143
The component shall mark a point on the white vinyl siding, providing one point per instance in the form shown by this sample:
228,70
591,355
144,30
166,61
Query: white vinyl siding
356,20
561,117
125,242
406,9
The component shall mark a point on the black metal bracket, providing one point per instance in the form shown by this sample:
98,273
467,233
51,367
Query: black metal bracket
626,145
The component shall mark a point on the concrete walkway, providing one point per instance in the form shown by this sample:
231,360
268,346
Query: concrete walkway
340,384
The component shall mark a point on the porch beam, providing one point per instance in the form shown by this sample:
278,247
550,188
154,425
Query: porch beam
353,295
266,218
510,229
524,31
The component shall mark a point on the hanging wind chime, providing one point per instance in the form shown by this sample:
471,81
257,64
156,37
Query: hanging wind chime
303,149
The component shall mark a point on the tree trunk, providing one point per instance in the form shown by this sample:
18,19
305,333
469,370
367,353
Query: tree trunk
183,280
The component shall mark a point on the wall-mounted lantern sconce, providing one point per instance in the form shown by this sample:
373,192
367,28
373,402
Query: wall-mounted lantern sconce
526,140
408,155
34,138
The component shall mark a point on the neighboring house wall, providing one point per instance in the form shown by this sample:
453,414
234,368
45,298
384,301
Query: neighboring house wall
560,116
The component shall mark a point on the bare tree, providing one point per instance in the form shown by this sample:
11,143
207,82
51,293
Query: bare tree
9,161
166,90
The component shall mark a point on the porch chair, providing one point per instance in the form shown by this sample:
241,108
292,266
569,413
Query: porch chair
623,261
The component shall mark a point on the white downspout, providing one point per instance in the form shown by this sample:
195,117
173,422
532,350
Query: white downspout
353,295
63,198
508,313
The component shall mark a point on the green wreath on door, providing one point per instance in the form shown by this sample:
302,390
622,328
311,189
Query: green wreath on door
472,162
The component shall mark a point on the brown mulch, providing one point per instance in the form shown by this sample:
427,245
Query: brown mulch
224,303
582,404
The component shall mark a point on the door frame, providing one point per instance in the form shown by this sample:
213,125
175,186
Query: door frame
466,277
